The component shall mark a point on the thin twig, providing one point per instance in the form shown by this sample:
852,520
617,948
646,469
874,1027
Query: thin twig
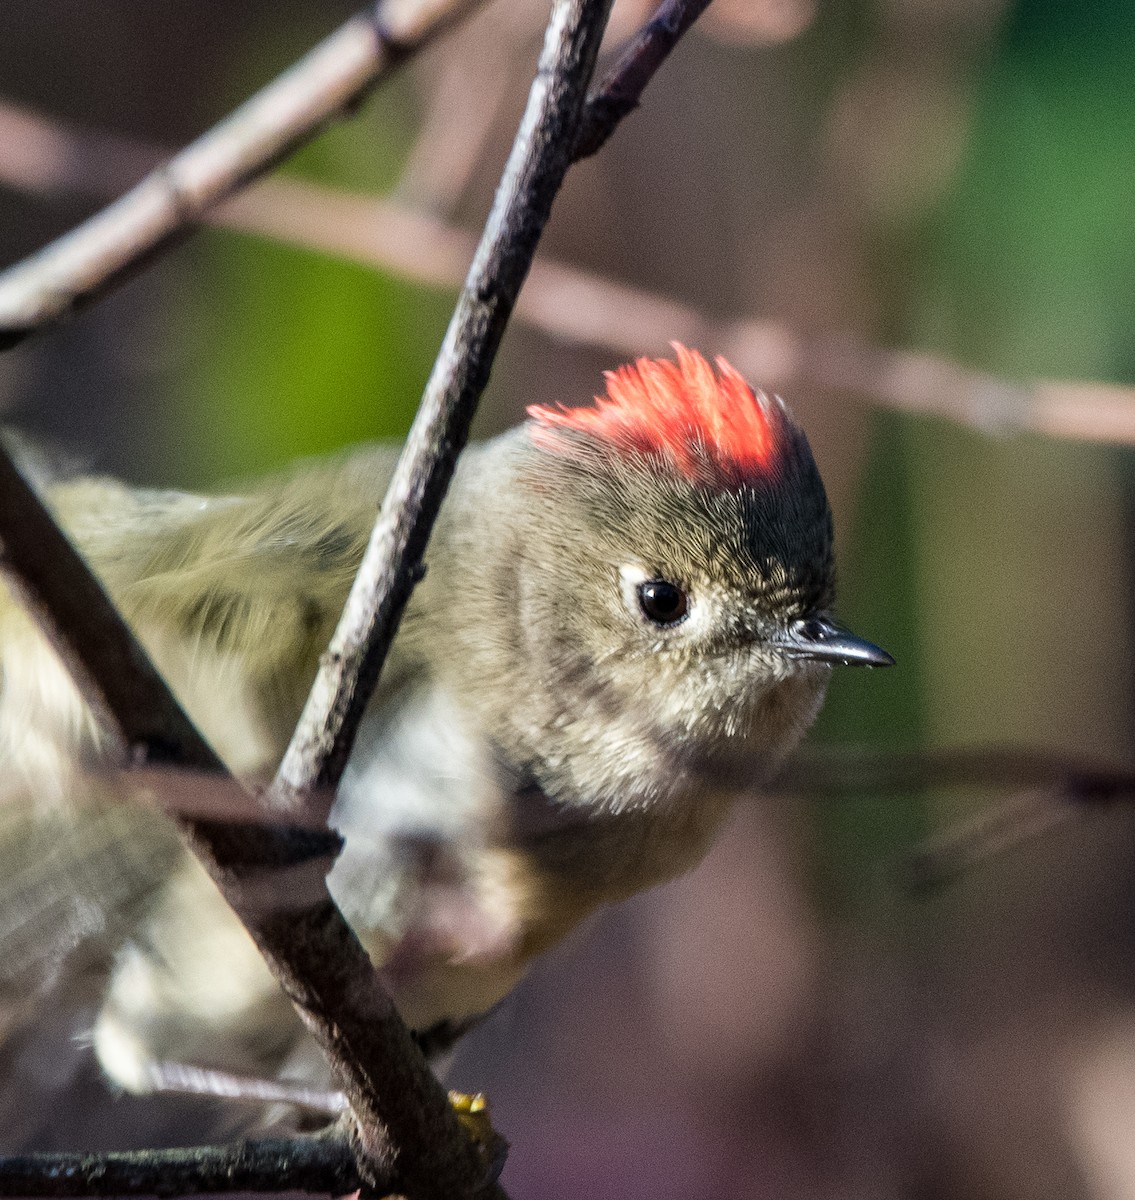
327,83
960,849
621,88
576,306
841,771
1048,792
392,563
322,1165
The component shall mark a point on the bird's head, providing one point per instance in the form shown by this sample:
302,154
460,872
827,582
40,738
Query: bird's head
676,584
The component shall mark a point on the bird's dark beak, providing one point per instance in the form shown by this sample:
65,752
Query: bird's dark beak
821,639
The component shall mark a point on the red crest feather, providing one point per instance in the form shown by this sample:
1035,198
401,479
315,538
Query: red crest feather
696,419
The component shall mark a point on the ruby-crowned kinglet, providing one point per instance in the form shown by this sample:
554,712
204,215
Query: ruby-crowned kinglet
625,618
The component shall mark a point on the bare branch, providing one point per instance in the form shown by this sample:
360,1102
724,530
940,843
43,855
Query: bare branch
116,677
325,84
583,308
392,563
621,88
1047,792
324,1165
840,771
960,849
114,673
577,306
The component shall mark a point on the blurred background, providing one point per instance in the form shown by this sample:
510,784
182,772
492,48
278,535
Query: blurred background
811,189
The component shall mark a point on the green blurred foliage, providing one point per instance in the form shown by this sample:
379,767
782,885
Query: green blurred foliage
1031,262
301,353
973,556
306,355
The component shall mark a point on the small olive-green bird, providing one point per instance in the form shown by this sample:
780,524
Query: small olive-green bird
626,618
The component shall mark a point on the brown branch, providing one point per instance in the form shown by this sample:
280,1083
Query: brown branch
840,771
327,83
580,307
583,308
621,88
1047,792
116,677
834,773
392,562
1004,827
323,1165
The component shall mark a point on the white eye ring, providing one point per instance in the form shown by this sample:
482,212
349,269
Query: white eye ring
631,577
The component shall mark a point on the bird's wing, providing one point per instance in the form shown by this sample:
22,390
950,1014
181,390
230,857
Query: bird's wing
235,597
70,888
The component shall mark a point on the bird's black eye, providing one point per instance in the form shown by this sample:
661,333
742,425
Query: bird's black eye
814,629
662,602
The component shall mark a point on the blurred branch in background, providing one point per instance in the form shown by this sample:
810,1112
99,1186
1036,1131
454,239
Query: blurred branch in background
463,101
46,158
846,770
1047,792
1007,826
323,85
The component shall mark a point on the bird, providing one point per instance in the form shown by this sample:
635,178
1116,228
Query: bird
625,621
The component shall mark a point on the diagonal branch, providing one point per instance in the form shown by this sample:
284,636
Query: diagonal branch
1019,820
327,83
621,88
403,1117
392,564
1047,792
116,676
837,772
